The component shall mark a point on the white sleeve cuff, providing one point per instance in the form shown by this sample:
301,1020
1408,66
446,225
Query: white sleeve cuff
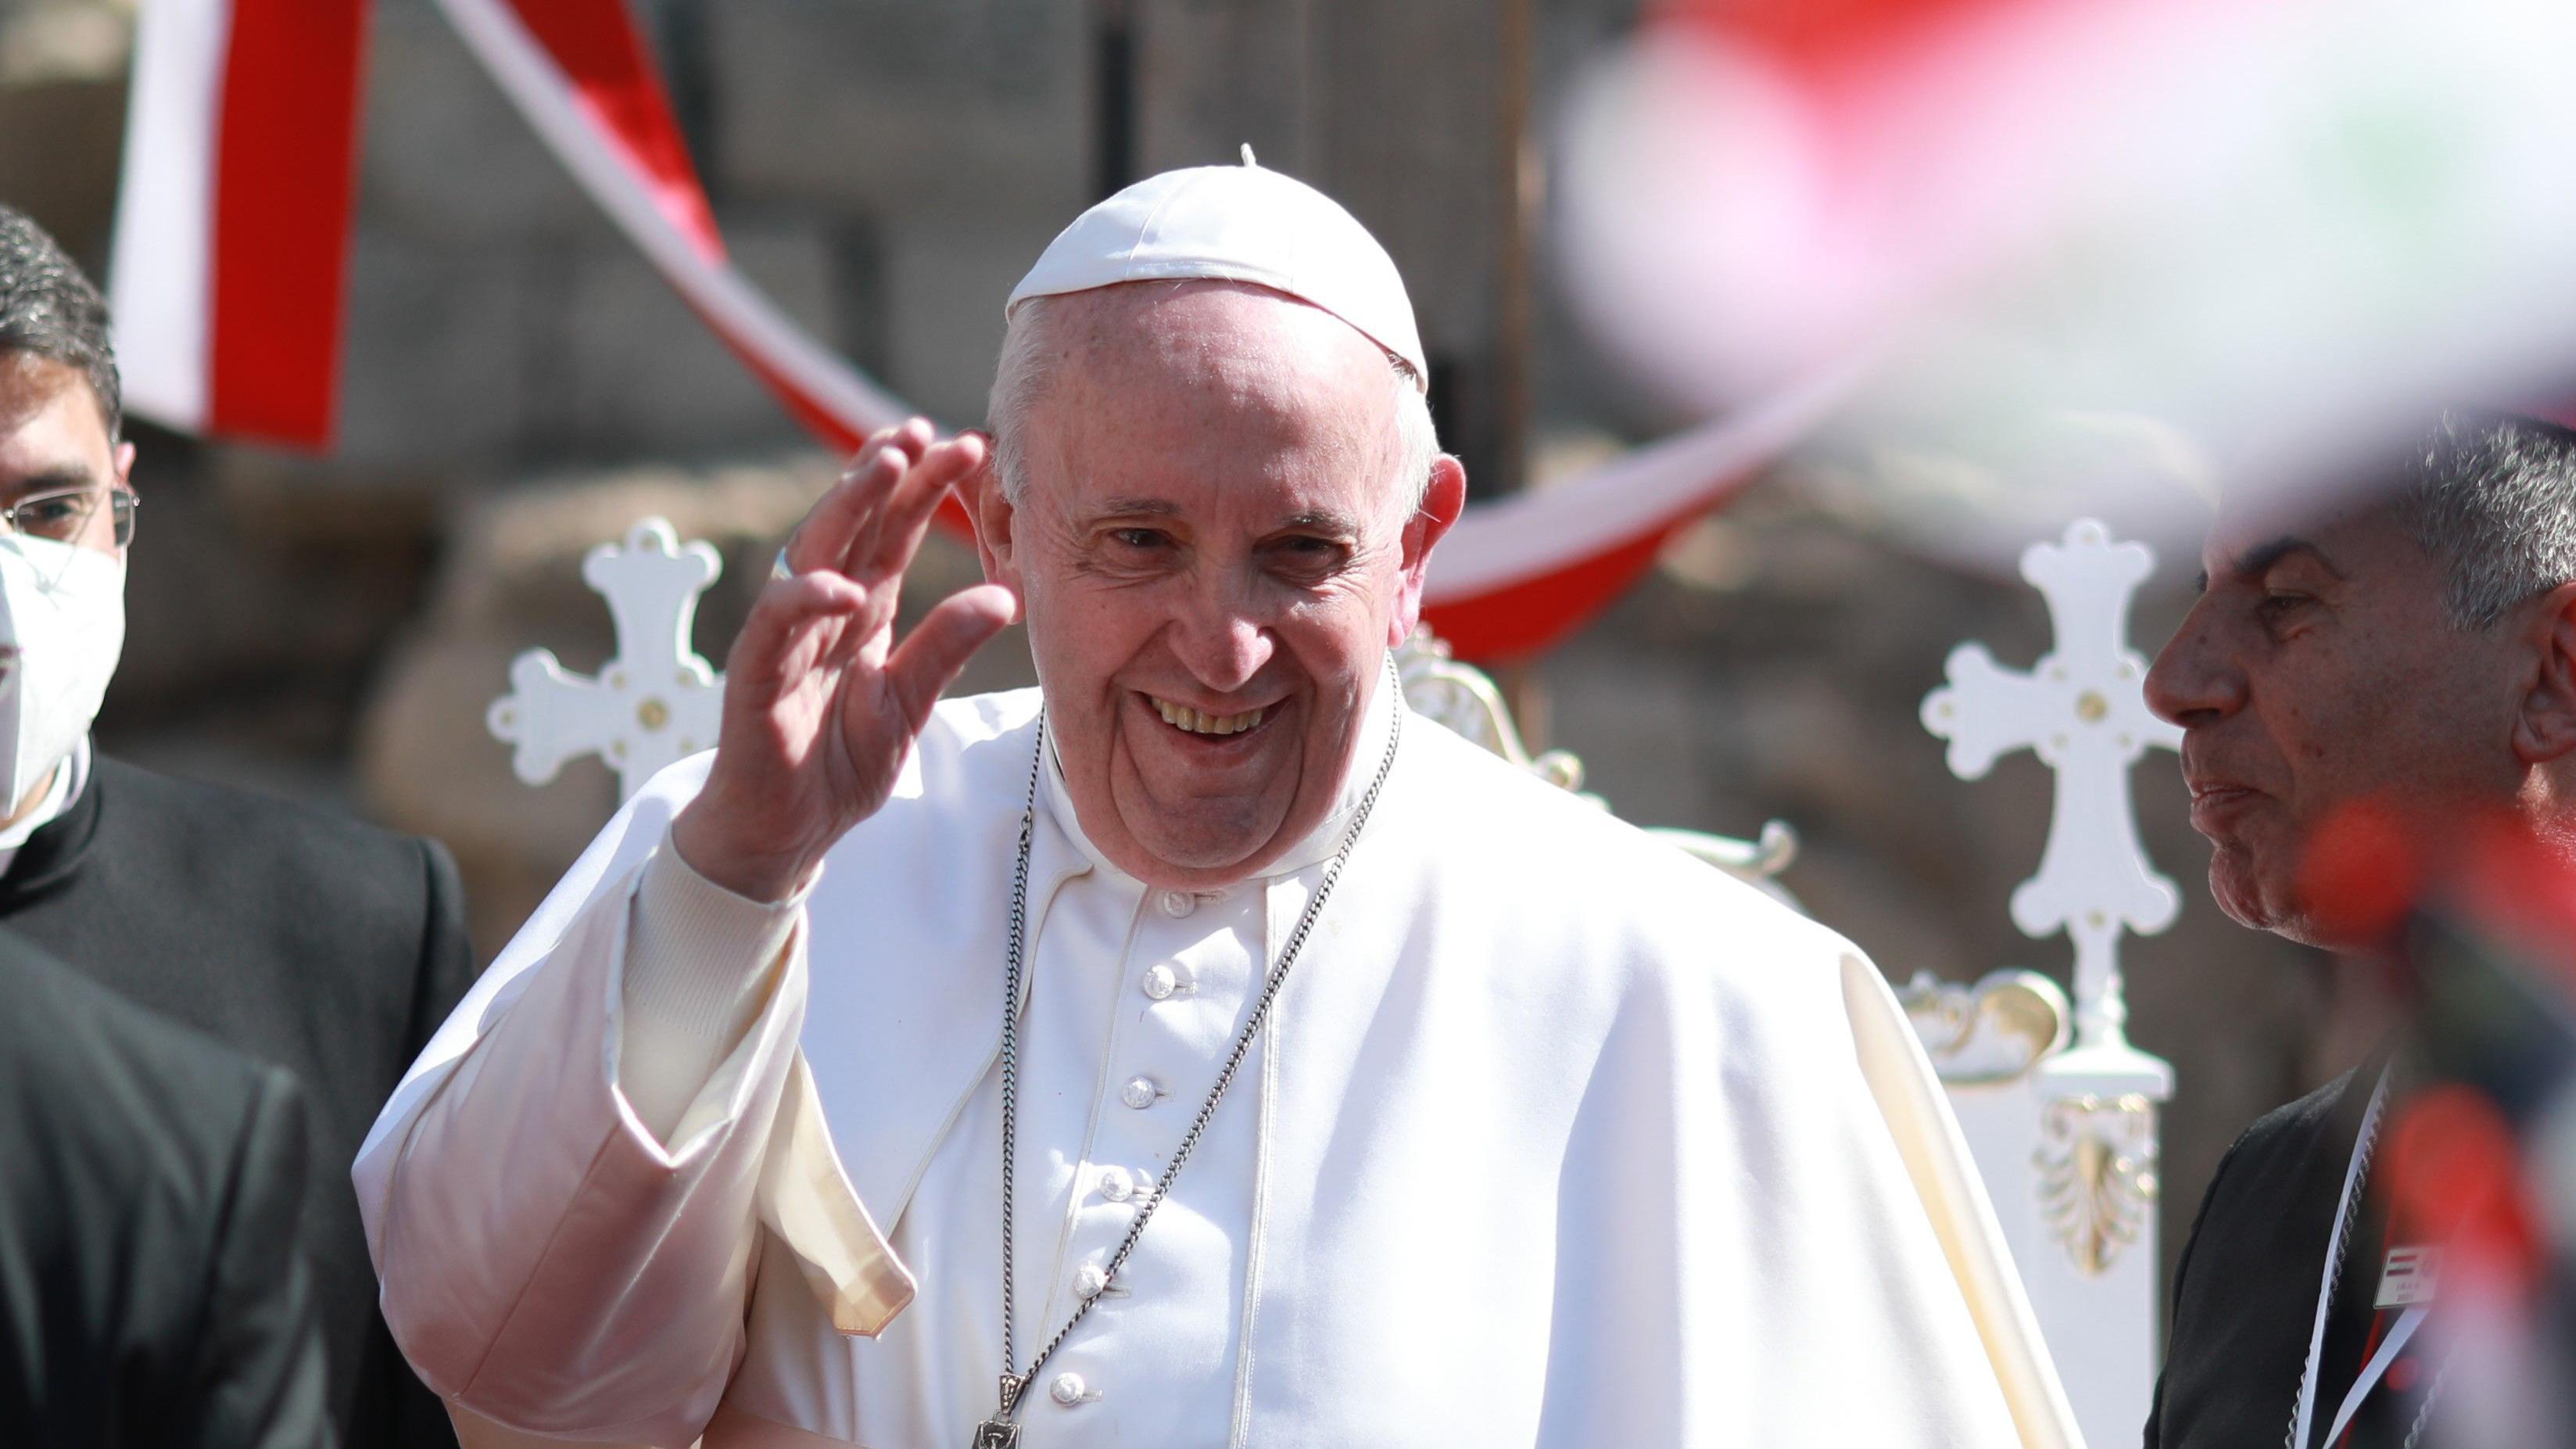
701,964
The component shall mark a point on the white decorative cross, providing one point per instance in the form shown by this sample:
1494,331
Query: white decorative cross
654,702
2083,709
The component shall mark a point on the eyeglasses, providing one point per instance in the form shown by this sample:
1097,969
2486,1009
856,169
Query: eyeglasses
63,514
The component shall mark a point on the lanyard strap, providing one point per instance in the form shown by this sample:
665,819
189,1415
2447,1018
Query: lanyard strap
2371,1373
2304,1419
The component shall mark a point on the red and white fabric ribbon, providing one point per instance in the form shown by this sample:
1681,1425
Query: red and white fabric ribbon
233,219
232,241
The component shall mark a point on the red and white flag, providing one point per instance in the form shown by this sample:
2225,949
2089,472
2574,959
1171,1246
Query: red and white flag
232,227
230,271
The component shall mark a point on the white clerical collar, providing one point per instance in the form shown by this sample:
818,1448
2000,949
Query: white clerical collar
68,783
1318,844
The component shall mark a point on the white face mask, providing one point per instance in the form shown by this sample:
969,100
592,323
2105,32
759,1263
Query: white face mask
62,626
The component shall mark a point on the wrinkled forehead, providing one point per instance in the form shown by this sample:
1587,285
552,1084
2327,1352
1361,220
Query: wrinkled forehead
1219,376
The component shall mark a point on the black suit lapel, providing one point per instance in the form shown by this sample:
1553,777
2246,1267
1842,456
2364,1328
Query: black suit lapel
55,853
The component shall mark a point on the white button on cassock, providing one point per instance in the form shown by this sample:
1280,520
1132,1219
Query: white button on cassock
1161,982
1116,1185
1090,1280
1067,1389
1177,904
1139,1093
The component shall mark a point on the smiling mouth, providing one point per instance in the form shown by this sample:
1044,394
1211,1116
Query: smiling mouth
1191,721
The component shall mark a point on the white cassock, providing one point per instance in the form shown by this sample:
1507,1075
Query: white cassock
1554,1137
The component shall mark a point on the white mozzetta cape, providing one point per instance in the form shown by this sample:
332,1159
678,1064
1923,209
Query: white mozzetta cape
1563,1139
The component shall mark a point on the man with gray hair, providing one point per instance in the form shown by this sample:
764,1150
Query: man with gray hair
1228,1055
2402,654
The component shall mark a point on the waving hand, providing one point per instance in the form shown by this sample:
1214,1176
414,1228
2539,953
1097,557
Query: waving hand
821,703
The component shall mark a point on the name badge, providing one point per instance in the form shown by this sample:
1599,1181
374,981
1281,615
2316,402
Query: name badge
2408,1279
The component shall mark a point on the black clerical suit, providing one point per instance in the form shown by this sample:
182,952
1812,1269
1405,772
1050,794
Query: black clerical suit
151,1293
312,942
2245,1288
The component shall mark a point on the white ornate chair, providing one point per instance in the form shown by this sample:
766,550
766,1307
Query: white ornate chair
1464,699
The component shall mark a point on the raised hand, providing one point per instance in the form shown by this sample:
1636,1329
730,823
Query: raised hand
820,702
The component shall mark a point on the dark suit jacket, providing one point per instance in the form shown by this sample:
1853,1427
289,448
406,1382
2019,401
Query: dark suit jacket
310,941
150,1292
2245,1288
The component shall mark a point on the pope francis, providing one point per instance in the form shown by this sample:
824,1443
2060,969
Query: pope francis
1194,1050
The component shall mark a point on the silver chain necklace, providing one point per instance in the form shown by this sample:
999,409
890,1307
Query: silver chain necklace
999,1432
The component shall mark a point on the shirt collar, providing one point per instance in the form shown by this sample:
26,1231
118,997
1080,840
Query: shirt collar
1377,734
66,788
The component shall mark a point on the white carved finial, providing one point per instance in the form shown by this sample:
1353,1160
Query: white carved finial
655,701
2082,709
1466,701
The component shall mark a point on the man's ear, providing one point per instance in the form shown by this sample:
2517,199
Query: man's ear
2544,728
990,510
1442,502
124,468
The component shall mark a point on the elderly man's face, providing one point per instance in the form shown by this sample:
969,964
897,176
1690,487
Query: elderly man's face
2319,669
1214,552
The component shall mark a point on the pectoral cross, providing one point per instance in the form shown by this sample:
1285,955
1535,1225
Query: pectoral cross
998,1432
654,702
2082,709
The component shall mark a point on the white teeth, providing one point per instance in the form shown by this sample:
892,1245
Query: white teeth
1181,716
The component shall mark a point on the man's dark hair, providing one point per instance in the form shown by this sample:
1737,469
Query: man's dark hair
49,310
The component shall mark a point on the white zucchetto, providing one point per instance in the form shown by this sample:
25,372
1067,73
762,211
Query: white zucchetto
1242,223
